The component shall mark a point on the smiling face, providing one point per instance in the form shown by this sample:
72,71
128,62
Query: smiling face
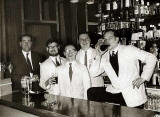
52,49
26,43
111,40
84,41
70,52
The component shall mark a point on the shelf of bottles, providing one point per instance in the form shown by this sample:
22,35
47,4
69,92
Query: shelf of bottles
153,102
153,99
124,14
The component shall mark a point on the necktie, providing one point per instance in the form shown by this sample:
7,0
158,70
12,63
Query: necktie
113,53
57,63
29,63
85,59
114,62
70,71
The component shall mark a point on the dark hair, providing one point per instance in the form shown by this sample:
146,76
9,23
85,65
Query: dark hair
87,33
83,33
115,32
25,35
52,40
70,44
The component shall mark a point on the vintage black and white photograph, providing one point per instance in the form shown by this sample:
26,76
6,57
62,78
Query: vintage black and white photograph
134,43
158,65
79,58
142,44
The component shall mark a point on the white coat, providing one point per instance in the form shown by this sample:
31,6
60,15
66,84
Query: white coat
80,83
128,57
47,69
93,63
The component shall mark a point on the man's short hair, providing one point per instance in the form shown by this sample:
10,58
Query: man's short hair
87,33
52,40
115,32
70,44
25,35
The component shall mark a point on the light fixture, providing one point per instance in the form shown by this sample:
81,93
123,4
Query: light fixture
74,1
87,1
90,2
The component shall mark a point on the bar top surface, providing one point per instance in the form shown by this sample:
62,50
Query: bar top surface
59,106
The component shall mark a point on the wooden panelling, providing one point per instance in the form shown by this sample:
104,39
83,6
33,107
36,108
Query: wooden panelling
68,19
13,25
3,50
41,33
1,5
63,21
49,9
31,9
71,24
81,18
92,10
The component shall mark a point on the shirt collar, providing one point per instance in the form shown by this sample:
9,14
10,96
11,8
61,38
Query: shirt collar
25,53
53,58
115,49
73,62
86,50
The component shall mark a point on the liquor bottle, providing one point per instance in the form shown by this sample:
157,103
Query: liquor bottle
149,8
142,8
146,9
112,19
120,12
108,9
136,8
131,9
115,12
157,8
128,10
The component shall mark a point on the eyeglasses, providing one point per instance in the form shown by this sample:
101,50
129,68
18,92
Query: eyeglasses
109,38
67,51
86,39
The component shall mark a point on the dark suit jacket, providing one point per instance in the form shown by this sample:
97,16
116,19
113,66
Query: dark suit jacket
20,68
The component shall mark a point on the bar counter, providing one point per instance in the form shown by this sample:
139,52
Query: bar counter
46,105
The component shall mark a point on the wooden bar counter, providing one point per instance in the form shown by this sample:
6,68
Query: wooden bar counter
46,105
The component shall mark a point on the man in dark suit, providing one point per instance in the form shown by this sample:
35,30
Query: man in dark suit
25,63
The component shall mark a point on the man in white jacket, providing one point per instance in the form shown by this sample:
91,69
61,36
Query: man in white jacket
47,68
121,65
89,57
73,77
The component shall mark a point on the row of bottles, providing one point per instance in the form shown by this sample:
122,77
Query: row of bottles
126,14
153,102
124,10
151,33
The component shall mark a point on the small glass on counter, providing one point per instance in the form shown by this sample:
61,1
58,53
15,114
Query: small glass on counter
25,85
34,84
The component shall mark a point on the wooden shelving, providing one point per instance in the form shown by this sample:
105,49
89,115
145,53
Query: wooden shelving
40,22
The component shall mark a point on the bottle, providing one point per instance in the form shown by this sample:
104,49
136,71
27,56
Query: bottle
154,79
131,9
146,10
142,8
115,12
112,19
107,10
126,10
157,8
120,10
136,8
